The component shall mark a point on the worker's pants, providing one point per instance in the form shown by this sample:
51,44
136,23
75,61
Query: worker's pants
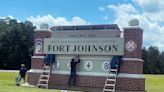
72,79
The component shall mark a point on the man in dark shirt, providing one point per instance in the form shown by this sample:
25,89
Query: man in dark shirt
73,63
23,72
116,62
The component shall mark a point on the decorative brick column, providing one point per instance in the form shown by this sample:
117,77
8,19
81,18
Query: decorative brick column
37,60
131,76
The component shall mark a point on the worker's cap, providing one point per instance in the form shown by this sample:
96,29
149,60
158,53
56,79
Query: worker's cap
22,65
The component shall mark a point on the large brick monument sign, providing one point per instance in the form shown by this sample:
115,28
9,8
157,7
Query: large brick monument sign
96,44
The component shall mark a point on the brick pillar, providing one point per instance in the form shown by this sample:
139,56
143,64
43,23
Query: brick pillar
131,76
37,60
38,56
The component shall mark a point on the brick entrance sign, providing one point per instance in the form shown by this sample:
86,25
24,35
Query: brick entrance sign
96,44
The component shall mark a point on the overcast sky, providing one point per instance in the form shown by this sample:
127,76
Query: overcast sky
150,13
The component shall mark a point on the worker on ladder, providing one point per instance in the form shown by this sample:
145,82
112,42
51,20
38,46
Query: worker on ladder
49,59
110,83
116,62
46,72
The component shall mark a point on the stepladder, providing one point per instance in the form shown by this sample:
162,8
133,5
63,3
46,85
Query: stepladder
110,83
43,80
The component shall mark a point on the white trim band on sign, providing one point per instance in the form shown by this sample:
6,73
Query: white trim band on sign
37,57
132,59
41,30
122,75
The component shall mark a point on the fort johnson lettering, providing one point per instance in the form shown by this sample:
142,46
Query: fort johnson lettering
83,48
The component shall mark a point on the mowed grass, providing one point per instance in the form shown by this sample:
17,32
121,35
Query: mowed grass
154,83
7,84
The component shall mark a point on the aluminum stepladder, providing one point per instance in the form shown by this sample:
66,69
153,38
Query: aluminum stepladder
44,76
110,83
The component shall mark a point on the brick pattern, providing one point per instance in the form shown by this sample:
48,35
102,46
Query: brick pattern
130,84
40,34
32,78
134,34
37,63
132,67
83,81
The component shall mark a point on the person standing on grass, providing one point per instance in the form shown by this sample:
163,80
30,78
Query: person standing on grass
23,72
72,77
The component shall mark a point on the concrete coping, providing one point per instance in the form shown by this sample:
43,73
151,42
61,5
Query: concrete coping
42,30
132,59
37,57
122,75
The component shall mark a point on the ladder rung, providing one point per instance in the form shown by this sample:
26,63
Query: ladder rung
111,74
43,80
42,84
110,90
113,70
46,71
47,67
44,75
109,85
111,79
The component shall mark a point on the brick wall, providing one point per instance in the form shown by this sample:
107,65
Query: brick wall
83,81
132,67
37,63
40,34
134,34
33,78
130,84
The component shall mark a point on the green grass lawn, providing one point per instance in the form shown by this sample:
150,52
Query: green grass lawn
7,84
154,83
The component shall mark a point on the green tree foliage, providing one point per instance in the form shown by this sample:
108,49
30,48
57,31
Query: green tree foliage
16,41
153,60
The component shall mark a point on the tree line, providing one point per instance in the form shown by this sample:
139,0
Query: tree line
153,60
16,43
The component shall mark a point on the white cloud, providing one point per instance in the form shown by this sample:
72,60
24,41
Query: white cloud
153,32
105,17
78,21
153,9
101,8
123,13
52,21
150,5
127,8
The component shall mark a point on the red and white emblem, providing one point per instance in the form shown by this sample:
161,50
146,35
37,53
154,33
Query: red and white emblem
130,46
